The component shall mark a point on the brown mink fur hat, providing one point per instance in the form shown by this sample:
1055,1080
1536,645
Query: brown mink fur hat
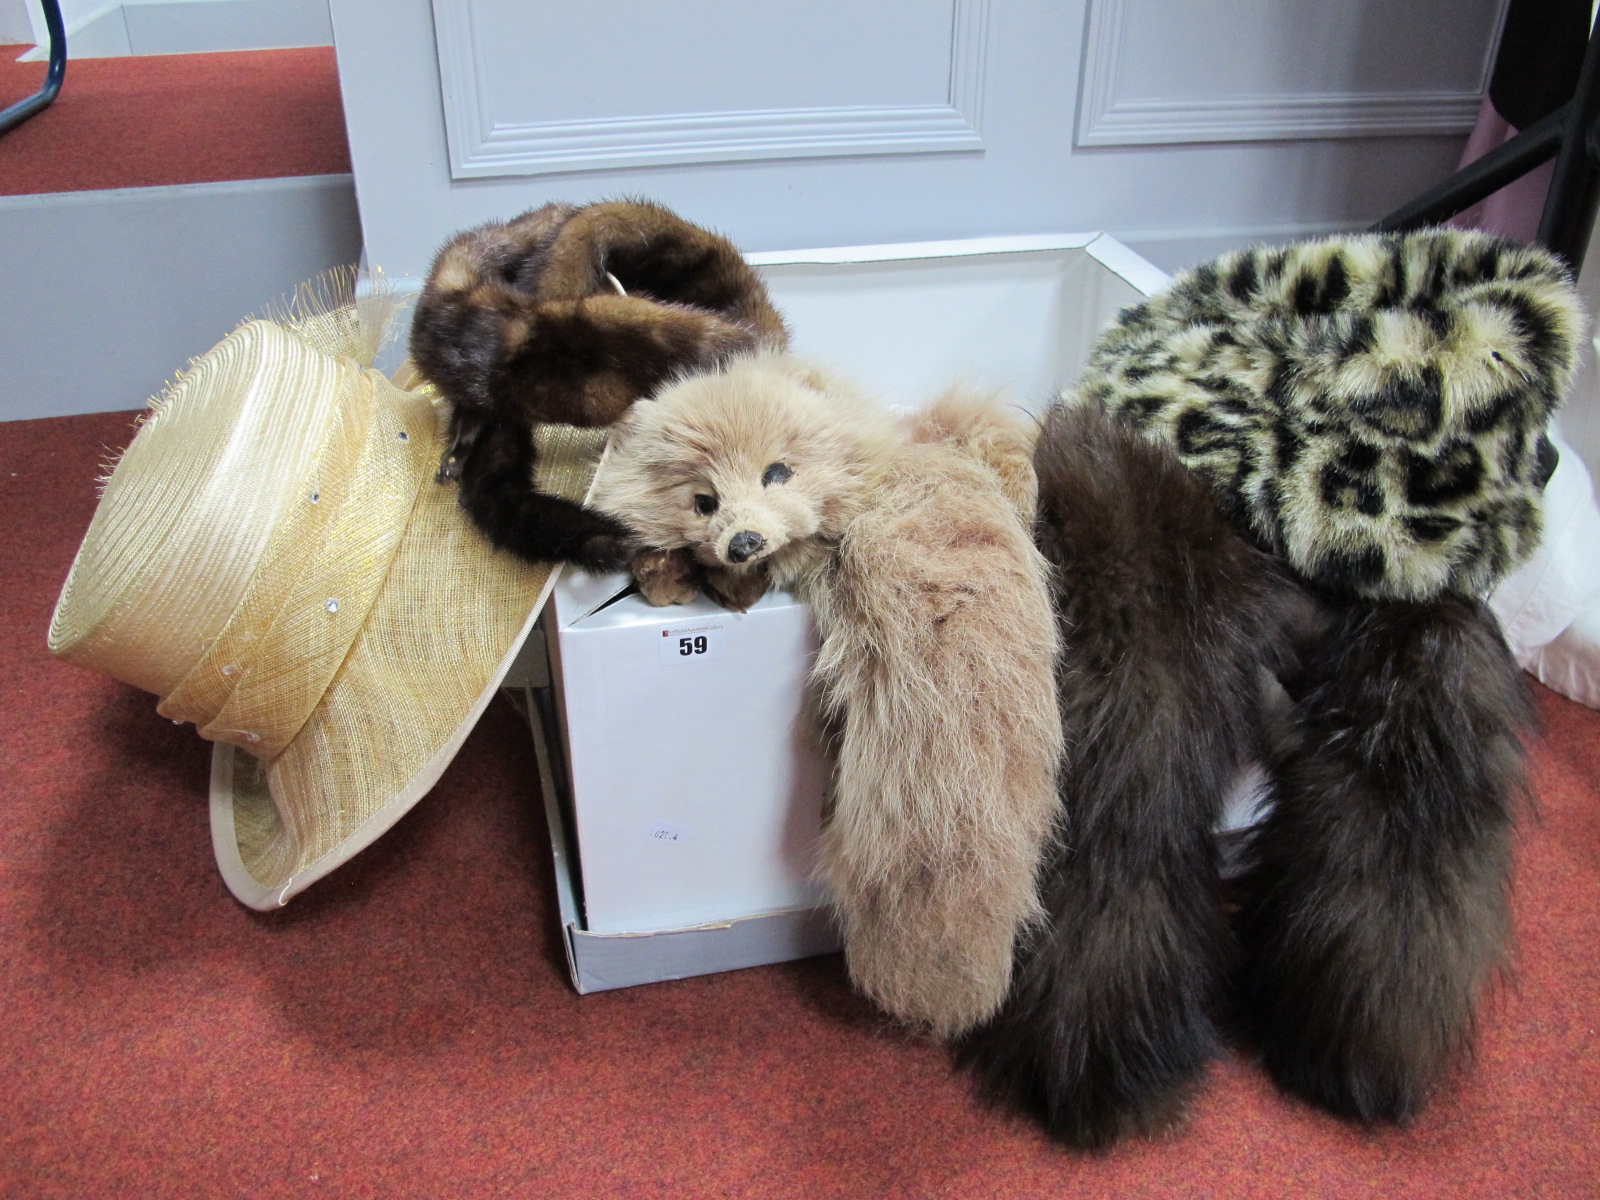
570,314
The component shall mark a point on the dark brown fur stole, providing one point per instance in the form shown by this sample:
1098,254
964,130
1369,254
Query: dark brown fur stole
521,323
1168,618
1293,475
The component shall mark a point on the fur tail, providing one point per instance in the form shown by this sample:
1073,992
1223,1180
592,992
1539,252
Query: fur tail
585,362
935,669
472,297
653,252
522,317
1168,618
1377,902
498,494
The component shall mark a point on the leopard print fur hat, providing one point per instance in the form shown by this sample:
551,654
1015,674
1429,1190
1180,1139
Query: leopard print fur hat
1370,407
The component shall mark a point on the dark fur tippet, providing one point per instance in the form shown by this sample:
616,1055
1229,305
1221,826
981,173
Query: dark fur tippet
1168,617
1374,906
520,323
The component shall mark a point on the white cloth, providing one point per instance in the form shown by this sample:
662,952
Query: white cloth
1550,607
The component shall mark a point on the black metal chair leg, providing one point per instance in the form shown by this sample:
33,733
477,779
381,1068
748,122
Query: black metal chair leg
1569,207
1482,177
11,117
1571,135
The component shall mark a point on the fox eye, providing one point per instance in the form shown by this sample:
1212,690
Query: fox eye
705,505
776,473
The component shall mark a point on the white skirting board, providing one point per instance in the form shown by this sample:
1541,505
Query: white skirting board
109,294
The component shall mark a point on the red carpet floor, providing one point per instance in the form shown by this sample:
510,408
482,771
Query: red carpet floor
171,119
406,1028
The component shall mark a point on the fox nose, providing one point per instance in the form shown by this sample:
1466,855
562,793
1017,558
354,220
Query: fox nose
744,544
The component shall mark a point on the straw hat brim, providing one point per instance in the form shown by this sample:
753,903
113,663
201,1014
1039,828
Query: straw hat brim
273,558
262,857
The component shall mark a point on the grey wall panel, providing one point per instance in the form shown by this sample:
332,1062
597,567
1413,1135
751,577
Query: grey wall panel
638,83
107,294
15,27
1245,70
208,26
1027,177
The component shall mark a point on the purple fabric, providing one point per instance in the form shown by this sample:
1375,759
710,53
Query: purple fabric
1514,210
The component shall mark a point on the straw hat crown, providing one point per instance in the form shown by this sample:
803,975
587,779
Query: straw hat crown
272,558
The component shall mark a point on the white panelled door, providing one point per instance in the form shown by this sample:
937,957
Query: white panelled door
1181,128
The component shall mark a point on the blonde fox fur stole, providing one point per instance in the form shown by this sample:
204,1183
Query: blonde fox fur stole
934,682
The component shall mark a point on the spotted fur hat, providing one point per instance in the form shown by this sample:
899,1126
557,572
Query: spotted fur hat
1371,408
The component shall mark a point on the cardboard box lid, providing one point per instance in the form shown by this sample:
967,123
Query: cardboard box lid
907,320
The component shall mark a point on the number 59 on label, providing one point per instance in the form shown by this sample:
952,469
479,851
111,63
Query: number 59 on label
690,644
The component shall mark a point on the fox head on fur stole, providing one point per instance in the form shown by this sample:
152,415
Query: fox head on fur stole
752,469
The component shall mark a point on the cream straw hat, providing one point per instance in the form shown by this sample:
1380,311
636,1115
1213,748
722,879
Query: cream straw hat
272,558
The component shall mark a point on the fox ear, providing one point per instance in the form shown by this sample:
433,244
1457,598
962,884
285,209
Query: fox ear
619,432
812,378
807,375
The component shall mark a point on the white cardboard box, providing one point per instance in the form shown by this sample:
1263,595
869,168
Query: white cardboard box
683,791
696,794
